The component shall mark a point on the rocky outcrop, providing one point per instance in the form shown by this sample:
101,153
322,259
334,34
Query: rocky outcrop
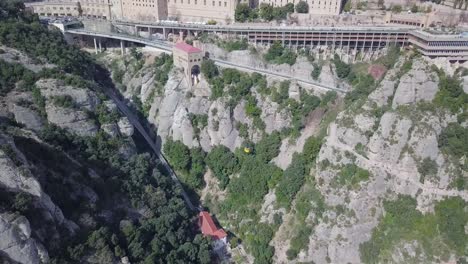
125,127
301,69
16,242
15,56
419,84
82,97
71,119
390,148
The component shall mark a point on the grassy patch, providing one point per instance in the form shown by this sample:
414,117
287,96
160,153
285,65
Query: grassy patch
438,234
351,176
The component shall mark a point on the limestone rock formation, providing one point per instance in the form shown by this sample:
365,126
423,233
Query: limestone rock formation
125,127
16,242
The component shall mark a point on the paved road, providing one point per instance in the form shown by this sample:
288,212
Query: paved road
167,46
136,123
284,76
255,28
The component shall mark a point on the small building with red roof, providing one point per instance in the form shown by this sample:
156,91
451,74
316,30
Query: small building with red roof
189,58
209,228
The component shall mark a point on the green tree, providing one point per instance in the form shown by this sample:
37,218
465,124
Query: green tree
197,167
178,154
289,7
311,149
452,218
266,12
302,7
293,179
209,69
397,9
342,69
268,147
454,140
347,6
242,12
381,4
316,71
79,9
223,163
428,167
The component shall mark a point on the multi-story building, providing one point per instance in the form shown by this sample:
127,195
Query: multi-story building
201,10
153,10
139,10
317,7
86,8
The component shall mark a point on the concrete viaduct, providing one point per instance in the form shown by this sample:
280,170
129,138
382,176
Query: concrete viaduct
354,39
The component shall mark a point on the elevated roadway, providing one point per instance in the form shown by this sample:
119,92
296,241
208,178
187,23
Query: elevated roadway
167,46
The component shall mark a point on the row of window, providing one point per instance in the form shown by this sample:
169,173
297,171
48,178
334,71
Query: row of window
313,2
143,5
54,8
448,44
196,2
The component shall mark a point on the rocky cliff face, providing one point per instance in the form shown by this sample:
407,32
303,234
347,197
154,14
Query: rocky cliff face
386,136
391,146
170,109
38,183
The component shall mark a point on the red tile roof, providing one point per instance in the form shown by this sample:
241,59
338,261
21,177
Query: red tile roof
209,228
187,48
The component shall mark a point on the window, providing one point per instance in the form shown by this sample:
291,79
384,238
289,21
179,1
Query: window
204,2
213,3
195,1
219,3
188,2
225,4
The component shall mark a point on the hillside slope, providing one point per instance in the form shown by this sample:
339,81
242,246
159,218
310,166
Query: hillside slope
366,177
74,186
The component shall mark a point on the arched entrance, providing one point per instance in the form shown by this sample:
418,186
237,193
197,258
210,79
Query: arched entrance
195,74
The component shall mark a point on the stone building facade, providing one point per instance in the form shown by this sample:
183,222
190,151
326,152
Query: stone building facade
139,10
86,8
201,10
154,10
188,58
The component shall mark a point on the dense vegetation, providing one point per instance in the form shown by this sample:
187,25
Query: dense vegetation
454,140
450,94
437,234
110,228
223,163
302,7
236,44
352,175
264,12
24,32
190,163
11,73
278,54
